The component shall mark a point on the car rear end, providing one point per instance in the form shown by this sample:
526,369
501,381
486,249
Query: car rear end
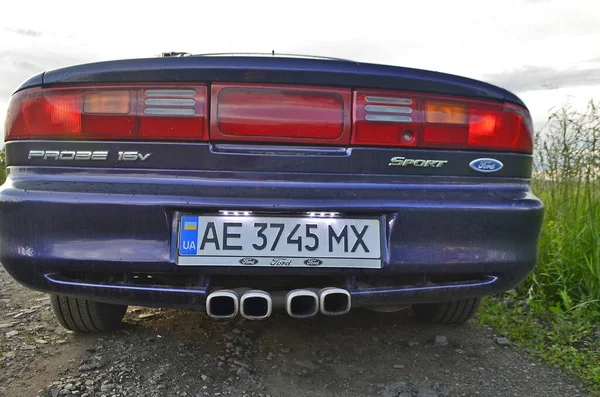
243,184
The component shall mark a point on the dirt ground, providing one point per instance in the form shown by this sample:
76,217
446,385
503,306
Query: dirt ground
179,353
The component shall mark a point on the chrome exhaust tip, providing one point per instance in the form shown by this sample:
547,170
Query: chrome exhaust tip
222,304
256,305
301,303
334,301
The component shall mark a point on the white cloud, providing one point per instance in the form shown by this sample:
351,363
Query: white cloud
530,78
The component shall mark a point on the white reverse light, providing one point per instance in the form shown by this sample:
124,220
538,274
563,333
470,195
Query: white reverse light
311,214
236,213
322,214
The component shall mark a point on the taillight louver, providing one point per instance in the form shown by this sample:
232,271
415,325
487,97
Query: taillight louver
388,109
179,111
169,102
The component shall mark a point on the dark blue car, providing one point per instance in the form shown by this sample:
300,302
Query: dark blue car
242,184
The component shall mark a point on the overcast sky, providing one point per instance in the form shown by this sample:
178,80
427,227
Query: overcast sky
546,51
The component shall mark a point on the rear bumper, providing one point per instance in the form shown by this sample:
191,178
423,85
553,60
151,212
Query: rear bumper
195,297
459,237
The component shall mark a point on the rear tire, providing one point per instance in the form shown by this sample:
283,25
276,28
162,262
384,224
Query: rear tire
451,312
85,316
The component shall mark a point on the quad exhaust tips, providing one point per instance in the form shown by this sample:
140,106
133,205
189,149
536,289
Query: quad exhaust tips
222,304
334,301
301,303
256,305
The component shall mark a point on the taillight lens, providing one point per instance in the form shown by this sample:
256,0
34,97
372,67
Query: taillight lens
418,120
268,113
175,112
280,114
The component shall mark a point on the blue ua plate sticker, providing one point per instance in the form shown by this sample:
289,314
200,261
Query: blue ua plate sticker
188,235
486,165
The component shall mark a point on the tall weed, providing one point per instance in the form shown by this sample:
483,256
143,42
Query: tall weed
567,179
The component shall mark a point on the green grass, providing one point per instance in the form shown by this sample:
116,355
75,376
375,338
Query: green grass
568,270
555,313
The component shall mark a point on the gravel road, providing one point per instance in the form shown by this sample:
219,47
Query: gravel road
178,353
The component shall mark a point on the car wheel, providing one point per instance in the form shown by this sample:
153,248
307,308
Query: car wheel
452,312
82,315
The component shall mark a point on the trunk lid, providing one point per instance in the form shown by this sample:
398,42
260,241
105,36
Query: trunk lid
273,70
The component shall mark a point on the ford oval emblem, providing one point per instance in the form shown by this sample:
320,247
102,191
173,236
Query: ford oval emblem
248,261
486,165
313,262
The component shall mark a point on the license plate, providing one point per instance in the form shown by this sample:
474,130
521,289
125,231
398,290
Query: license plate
268,241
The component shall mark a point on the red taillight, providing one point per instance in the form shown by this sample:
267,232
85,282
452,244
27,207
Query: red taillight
268,113
280,114
48,115
175,112
417,120
507,127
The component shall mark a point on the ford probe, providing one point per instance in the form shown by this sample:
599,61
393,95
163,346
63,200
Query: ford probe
243,184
